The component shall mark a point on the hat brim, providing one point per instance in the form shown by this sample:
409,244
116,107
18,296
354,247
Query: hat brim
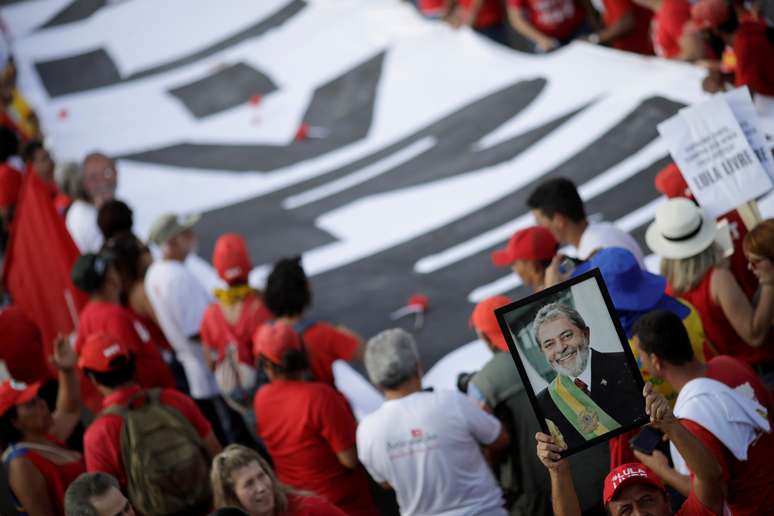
685,248
645,295
28,394
502,258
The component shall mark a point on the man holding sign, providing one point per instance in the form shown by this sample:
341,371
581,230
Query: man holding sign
592,392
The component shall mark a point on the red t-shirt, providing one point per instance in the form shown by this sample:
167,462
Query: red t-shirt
692,506
120,323
217,333
750,483
432,7
718,329
58,476
22,346
559,19
311,506
667,27
304,425
638,39
754,58
102,440
324,345
491,12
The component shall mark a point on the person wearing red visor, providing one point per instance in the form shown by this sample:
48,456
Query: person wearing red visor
529,253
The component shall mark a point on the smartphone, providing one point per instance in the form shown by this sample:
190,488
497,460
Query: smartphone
568,264
647,440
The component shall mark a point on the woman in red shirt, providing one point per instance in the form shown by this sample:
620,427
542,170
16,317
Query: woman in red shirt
39,466
683,235
241,478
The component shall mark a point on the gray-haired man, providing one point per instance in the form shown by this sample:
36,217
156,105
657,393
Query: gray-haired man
593,392
423,444
96,494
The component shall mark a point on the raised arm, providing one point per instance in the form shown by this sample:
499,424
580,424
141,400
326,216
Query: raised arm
708,475
751,323
564,499
68,401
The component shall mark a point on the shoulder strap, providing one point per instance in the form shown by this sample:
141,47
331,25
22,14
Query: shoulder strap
303,325
13,451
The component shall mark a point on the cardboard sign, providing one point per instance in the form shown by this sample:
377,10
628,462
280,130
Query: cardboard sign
714,156
744,111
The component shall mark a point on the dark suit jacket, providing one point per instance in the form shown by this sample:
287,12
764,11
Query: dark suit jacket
612,388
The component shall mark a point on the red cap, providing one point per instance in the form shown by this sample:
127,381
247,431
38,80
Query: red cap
626,474
709,14
13,393
420,301
534,243
273,340
230,258
670,182
100,351
484,320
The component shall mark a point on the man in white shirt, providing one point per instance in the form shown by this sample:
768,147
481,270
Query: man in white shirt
99,179
557,207
179,300
427,445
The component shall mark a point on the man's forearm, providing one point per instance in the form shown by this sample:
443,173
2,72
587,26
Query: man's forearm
564,499
708,475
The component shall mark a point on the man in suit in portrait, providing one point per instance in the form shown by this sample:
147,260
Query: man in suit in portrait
593,392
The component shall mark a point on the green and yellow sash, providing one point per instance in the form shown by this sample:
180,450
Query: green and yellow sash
579,409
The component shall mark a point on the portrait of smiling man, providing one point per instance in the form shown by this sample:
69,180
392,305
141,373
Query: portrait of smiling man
593,392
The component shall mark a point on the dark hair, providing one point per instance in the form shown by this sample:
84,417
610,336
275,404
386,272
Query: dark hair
9,143
287,289
557,196
294,361
663,334
126,251
8,432
28,151
114,218
121,372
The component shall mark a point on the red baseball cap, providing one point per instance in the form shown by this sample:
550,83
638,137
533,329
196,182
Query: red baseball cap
231,259
709,14
13,393
671,183
626,474
533,243
483,319
100,351
273,340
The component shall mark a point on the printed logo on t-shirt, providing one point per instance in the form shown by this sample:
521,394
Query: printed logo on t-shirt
420,442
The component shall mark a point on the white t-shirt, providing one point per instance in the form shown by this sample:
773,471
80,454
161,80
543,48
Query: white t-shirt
599,235
81,222
179,301
426,446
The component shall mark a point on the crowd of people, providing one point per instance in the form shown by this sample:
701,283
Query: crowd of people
170,399
733,41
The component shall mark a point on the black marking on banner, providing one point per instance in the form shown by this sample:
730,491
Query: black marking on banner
75,11
343,107
58,78
386,279
225,89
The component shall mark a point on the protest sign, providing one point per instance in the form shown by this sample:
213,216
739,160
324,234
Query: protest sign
714,155
563,334
744,111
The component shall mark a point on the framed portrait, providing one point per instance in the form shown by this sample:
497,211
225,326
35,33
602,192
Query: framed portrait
575,362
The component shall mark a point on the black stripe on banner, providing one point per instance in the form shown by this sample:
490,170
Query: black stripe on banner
58,78
227,88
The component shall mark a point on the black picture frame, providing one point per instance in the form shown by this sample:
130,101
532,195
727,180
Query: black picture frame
563,290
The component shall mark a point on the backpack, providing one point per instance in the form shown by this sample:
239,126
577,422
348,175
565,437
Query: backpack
166,464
